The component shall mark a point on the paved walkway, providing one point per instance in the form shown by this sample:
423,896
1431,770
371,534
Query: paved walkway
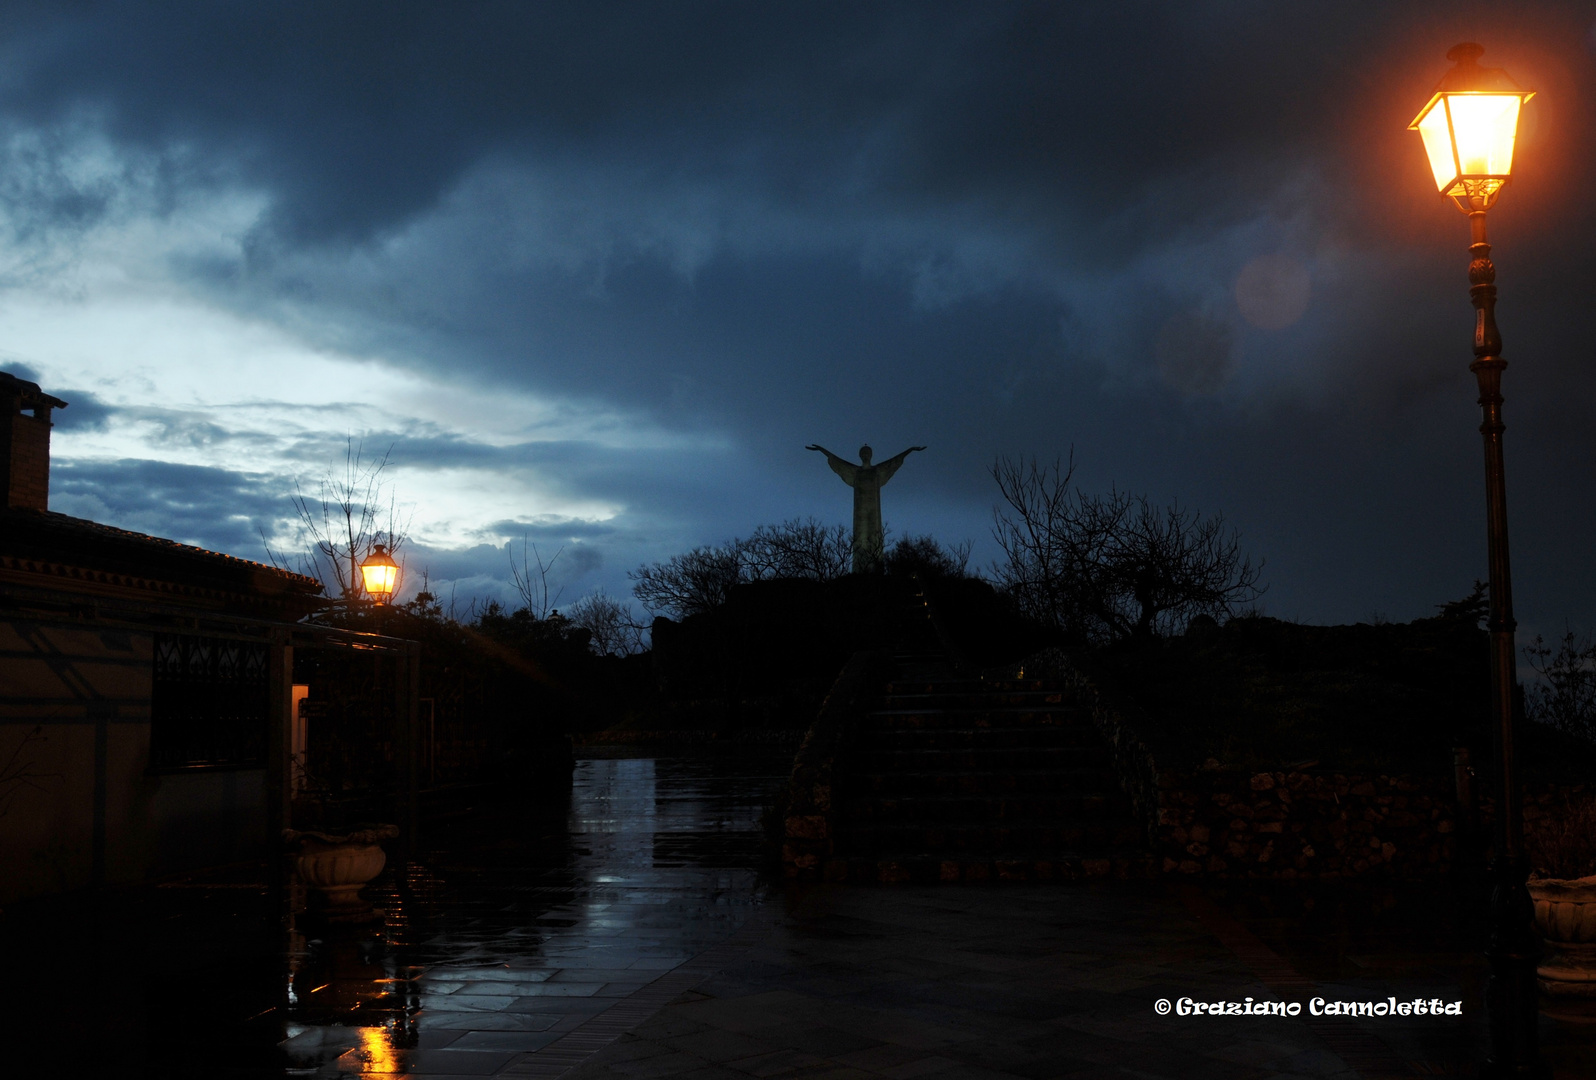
630,935
1031,982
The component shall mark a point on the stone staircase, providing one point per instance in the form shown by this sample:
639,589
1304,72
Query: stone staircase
956,779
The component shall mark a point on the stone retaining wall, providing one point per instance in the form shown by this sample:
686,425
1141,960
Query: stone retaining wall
1301,824
1284,824
1296,824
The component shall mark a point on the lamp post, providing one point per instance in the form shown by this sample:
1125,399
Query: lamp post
1469,126
380,575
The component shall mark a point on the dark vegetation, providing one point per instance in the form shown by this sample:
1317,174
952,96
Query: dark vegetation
1153,601
760,642
1102,568
1565,699
1263,694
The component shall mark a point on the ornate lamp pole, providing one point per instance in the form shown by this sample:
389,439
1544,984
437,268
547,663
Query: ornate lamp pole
1469,126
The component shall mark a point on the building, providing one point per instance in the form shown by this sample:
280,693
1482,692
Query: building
146,688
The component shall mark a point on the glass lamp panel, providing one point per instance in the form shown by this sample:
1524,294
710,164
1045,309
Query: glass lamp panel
1485,126
1438,144
379,578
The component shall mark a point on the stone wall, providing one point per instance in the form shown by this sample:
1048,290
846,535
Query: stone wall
1303,824
1285,824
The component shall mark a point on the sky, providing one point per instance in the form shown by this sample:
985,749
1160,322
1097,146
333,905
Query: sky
593,275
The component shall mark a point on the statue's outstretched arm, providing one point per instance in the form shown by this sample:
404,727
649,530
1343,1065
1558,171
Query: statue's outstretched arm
841,466
885,470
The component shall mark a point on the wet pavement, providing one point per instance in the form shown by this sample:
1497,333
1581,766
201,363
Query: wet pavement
627,932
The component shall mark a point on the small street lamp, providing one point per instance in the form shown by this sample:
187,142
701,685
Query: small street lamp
1469,126
380,573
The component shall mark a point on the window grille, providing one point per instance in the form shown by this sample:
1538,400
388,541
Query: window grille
208,704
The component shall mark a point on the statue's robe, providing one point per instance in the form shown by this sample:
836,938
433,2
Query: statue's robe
869,540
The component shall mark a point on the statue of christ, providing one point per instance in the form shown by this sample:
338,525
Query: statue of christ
866,480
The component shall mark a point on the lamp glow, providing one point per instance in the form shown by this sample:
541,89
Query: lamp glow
1469,127
380,573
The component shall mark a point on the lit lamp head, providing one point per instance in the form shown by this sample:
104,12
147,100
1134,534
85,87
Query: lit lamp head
1469,126
381,574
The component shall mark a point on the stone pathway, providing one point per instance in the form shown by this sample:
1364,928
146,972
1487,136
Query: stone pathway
1019,981
495,950
630,935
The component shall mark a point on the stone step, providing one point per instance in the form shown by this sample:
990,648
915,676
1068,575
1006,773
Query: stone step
935,686
978,759
963,780
1031,698
1013,716
986,810
908,684
1036,737
1089,777
1051,686
986,838
1011,866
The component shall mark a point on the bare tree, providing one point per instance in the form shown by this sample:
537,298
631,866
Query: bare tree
613,629
1112,566
532,585
701,579
926,555
798,549
349,516
690,583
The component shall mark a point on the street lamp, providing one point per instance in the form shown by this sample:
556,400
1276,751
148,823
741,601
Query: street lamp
380,573
1469,126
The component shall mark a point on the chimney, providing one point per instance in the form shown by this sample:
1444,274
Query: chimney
25,444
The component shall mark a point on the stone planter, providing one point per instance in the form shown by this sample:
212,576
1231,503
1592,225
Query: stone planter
1565,915
338,865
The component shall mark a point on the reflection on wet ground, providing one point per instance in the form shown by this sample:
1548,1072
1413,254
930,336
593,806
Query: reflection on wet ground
523,930
516,925
522,925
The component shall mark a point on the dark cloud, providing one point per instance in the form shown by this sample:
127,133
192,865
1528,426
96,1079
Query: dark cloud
84,411
25,372
217,509
1194,241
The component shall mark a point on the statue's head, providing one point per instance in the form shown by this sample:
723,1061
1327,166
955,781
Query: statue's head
864,454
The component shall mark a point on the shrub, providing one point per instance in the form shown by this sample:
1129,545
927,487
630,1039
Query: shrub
1564,845
1567,698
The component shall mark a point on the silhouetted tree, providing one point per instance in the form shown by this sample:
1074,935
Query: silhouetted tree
1567,698
700,580
613,629
690,583
347,518
530,577
1113,566
797,549
1472,609
928,557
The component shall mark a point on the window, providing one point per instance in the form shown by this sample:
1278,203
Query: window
208,704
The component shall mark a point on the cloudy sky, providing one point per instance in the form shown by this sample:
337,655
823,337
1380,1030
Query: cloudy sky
596,273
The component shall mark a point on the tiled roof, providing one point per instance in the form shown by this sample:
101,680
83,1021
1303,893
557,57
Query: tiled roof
47,538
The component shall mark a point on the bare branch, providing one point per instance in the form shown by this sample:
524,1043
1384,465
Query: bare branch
612,627
533,585
344,521
1111,566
